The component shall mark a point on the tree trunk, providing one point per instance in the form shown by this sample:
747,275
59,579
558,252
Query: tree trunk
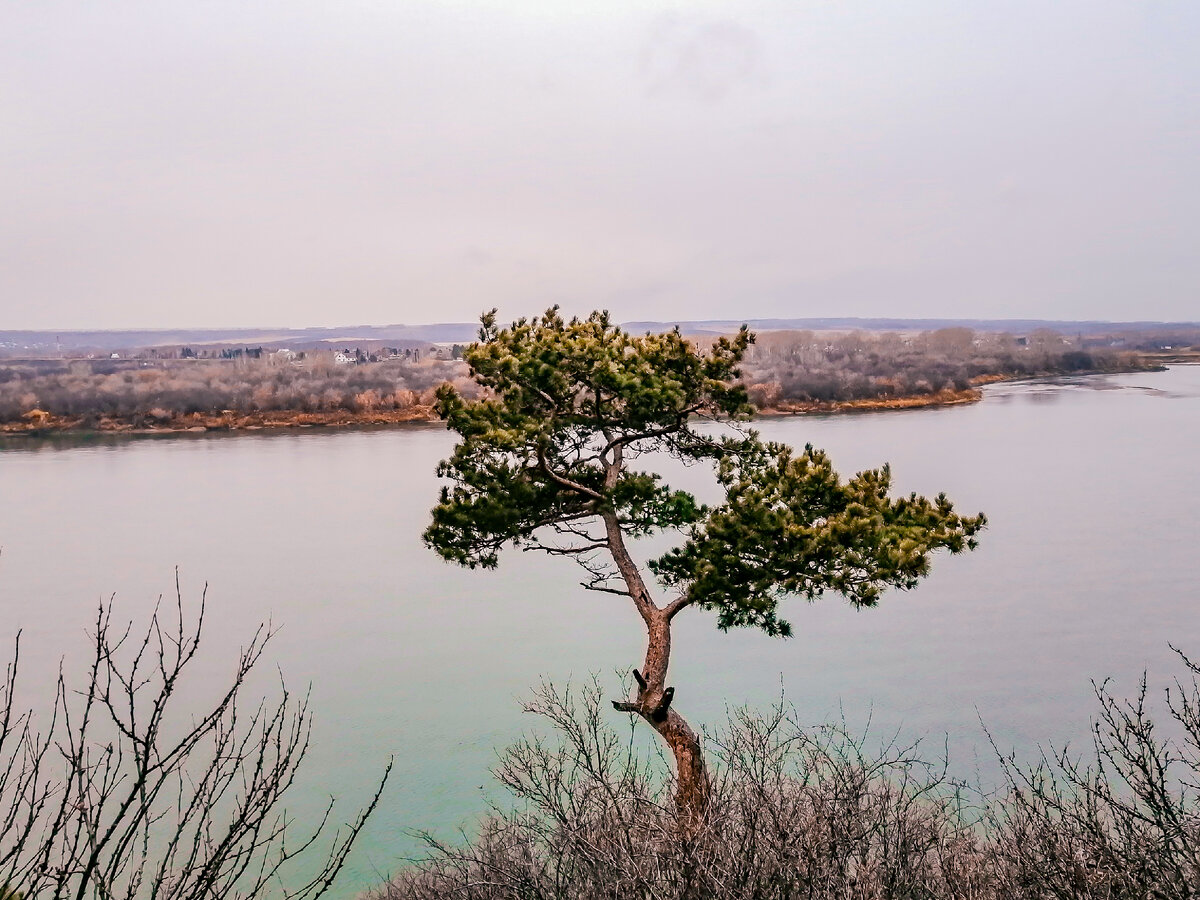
692,788
653,704
653,701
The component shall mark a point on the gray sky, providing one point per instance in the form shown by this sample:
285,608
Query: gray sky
211,163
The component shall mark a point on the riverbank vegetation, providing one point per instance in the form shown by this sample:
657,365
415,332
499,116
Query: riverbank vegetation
115,395
791,371
785,371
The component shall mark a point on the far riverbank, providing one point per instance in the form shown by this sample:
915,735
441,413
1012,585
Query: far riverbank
41,424
251,389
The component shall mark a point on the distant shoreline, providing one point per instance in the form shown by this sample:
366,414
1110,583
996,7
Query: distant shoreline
873,404
952,397
424,415
225,422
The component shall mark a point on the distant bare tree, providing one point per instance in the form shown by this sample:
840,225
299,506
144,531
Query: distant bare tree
118,793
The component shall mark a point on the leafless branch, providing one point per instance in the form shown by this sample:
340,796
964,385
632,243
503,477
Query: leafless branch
118,794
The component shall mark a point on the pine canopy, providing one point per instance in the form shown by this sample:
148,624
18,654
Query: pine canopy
569,406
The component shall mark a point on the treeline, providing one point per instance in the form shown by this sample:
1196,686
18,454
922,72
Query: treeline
813,367
88,391
784,368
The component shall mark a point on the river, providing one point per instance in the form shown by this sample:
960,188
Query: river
1088,568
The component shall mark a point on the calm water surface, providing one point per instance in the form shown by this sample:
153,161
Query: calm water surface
1089,568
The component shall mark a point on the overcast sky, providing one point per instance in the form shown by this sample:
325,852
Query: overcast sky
210,163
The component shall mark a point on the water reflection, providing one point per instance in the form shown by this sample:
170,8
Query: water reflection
1184,385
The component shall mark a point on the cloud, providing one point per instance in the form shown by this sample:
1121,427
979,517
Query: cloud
706,59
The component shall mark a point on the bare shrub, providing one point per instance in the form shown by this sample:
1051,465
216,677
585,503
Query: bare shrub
367,400
1122,821
403,399
810,813
765,395
117,793
794,813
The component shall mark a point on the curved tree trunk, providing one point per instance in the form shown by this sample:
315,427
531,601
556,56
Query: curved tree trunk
653,704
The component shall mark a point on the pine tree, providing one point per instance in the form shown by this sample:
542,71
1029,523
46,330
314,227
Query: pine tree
547,460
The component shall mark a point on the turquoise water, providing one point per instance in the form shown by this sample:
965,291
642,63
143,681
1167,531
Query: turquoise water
1089,567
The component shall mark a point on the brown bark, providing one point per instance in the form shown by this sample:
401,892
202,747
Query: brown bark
653,702
692,788
654,697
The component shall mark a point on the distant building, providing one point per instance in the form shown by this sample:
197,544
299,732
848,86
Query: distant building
343,359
